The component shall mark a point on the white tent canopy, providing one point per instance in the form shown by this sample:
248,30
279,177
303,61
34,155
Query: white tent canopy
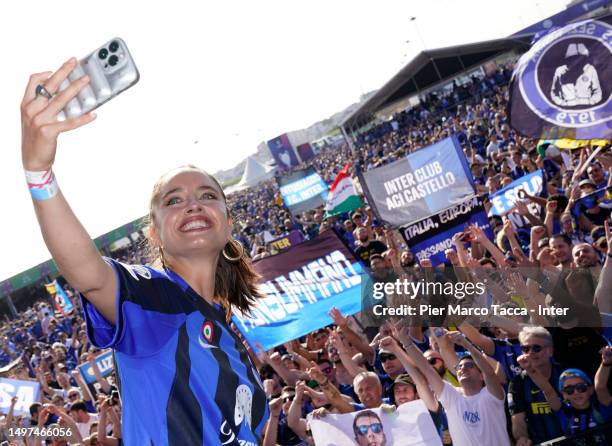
254,172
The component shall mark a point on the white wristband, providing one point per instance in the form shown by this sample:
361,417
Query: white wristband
42,185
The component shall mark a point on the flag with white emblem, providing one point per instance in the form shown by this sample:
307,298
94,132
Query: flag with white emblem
562,87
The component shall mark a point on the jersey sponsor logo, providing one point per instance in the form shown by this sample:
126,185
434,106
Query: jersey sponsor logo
227,434
207,333
229,437
540,408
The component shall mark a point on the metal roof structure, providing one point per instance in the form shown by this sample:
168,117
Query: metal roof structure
433,67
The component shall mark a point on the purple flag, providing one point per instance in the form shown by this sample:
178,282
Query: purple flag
283,153
305,151
561,88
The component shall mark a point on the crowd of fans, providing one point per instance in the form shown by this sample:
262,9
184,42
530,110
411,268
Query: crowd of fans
532,377
47,346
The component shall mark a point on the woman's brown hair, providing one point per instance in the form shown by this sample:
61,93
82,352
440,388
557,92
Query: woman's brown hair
235,281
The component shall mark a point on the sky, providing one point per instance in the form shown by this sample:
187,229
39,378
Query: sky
217,78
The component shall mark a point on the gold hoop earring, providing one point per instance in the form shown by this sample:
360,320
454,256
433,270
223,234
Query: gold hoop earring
237,247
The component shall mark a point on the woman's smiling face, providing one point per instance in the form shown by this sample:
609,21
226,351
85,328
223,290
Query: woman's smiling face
189,214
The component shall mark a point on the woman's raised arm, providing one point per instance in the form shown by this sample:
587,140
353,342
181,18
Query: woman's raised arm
68,242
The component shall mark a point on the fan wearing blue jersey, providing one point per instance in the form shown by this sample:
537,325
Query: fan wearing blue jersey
178,360
584,405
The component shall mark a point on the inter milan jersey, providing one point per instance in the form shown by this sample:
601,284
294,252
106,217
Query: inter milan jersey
185,377
579,420
506,353
524,396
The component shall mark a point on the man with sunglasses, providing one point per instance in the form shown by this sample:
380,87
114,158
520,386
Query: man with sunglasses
533,420
284,434
437,362
392,367
584,406
368,429
475,412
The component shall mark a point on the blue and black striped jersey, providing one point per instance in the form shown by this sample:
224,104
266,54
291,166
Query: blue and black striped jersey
186,378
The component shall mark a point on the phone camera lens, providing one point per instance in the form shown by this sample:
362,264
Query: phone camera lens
103,53
114,46
112,61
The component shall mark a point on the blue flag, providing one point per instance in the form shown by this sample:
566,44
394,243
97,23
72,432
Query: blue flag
423,184
301,285
303,190
60,300
429,238
504,200
27,392
104,363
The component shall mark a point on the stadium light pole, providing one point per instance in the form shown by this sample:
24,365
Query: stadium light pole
416,27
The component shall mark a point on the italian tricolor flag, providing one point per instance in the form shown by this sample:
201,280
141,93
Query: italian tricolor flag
342,195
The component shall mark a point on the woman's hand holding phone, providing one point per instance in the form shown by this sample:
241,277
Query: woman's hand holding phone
39,125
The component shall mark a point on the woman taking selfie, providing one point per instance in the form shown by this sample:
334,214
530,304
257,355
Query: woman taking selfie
185,377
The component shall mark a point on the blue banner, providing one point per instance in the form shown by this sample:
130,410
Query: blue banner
429,238
60,300
421,185
105,365
282,152
27,392
301,285
505,199
303,190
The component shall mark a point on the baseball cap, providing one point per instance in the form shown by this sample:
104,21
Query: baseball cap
403,378
384,351
586,182
573,373
288,392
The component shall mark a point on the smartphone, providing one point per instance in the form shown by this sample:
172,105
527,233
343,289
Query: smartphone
111,71
114,398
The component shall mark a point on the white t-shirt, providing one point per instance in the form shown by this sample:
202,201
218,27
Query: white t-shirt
476,419
84,427
492,148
